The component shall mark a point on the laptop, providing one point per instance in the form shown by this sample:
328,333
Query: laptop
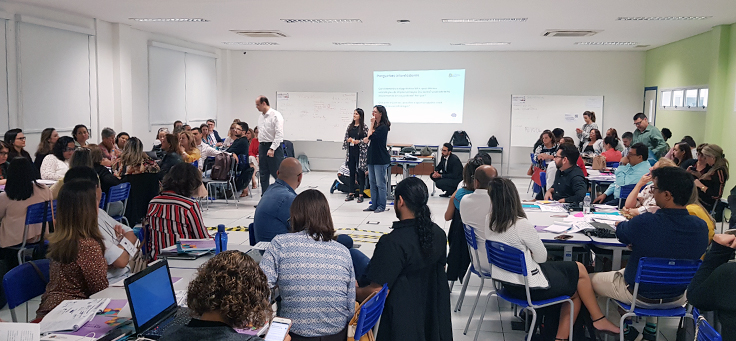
152,301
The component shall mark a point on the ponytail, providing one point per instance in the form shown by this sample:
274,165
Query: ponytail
424,229
414,193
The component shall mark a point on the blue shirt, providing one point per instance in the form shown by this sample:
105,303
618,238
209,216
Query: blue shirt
459,196
669,233
627,175
272,213
316,282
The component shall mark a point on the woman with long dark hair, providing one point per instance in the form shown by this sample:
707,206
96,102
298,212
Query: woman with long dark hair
357,153
54,167
4,164
133,160
378,157
681,154
584,133
411,261
172,154
80,133
711,184
49,136
17,142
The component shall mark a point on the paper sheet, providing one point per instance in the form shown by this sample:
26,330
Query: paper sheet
552,208
72,314
557,228
20,331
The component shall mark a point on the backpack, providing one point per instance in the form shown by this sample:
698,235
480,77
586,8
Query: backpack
492,142
304,160
460,138
408,150
426,151
288,147
221,169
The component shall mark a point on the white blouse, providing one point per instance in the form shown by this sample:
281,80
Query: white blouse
52,168
524,237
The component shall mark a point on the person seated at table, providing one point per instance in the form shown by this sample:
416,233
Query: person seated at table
628,174
569,185
107,180
205,150
691,142
49,136
174,213
596,142
133,160
80,133
17,142
714,176
21,191
449,171
272,214
475,210
670,233
507,223
559,133
107,145
666,135
682,155
712,286
80,158
172,154
697,167
545,152
612,132
611,153
116,257
53,168
4,164
322,313
580,161
120,141
230,291
76,249
411,261
240,150
188,147
626,139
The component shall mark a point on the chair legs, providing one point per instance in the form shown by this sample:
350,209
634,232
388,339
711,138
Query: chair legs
460,299
472,311
530,332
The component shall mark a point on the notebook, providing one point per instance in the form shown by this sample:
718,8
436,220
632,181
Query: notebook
71,315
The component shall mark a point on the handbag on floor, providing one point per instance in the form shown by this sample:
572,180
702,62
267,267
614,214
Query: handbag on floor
354,322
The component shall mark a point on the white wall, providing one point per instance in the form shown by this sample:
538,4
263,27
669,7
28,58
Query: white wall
491,79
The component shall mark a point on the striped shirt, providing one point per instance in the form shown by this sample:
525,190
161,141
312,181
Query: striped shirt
171,215
316,282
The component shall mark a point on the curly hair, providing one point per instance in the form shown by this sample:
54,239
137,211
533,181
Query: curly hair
233,284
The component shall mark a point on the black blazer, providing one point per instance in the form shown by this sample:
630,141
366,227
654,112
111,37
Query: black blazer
454,168
217,137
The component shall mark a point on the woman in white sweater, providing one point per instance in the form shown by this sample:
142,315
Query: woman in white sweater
547,280
55,166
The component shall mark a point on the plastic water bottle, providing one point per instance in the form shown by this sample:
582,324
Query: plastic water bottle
220,239
179,249
586,204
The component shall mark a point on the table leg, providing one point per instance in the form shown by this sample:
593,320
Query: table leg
405,166
389,193
616,264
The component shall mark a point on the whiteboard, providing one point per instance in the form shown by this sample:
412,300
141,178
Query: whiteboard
533,114
312,116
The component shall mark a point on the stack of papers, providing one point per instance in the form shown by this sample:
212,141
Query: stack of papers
20,331
71,315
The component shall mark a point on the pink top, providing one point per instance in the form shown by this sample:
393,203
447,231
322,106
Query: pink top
13,216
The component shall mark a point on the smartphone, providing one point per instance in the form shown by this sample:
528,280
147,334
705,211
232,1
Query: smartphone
563,237
279,329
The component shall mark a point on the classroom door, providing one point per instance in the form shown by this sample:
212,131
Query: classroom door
650,104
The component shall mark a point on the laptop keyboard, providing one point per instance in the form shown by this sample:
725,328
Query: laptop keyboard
179,319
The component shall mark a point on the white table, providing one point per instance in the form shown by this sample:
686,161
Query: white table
614,245
196,263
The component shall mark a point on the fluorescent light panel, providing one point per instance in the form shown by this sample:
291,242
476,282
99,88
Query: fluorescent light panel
321,21
362,44
249,43
600,43
485,20
169,19
674,18
481,44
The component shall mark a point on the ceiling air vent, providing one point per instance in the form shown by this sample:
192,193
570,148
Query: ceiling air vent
260,34
569,33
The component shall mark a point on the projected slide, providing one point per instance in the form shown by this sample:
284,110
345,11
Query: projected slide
426,96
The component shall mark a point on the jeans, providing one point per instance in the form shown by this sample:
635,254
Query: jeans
360,260
268,165
377,177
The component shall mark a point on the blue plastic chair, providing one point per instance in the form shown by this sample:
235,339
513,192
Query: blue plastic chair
612,164
102,201
512,260
23,283
370,312
119,193
703,330
34,215
472,241
625,191
659,271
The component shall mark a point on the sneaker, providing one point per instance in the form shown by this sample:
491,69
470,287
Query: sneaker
379,210
369,209
334,186
649,333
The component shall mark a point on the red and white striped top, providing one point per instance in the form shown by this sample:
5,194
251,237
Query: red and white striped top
171,215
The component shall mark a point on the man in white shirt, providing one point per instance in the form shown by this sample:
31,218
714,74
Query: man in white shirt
270,136
205,150
475,208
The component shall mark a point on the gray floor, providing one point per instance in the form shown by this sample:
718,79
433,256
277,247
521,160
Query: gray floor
365,228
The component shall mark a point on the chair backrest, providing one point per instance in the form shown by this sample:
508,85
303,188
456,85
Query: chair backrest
120,192
34,213
195,163
543,178
143,188
23,283
663,271
705,332
370,312
626,190
102,200
531,156
470,236
612,164
506,257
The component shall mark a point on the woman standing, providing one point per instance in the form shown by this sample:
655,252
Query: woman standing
681,154
378,157
54,167
80,133
325,312
77,252
357,153
49,136
17,142
711,183
584,134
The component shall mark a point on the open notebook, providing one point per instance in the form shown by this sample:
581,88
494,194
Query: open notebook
71,315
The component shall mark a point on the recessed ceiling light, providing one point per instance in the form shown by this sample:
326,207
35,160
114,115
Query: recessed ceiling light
599,43
249,43
481,44
362,44
485,20
321,21
664,18
169,19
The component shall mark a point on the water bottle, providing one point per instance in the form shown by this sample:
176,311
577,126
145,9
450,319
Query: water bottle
586,204
179,249
220,239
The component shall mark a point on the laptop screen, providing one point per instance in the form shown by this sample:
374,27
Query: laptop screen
151,294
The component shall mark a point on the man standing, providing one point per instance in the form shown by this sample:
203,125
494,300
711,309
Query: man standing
626,139
449,172
272,214
650,136
270,136
205,150
569,185
475,208
626,174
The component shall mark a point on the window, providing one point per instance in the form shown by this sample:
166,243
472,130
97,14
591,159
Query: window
688,99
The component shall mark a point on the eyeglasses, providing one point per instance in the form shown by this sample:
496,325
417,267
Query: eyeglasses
70,149
3,153
21,138
558,157
637,123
